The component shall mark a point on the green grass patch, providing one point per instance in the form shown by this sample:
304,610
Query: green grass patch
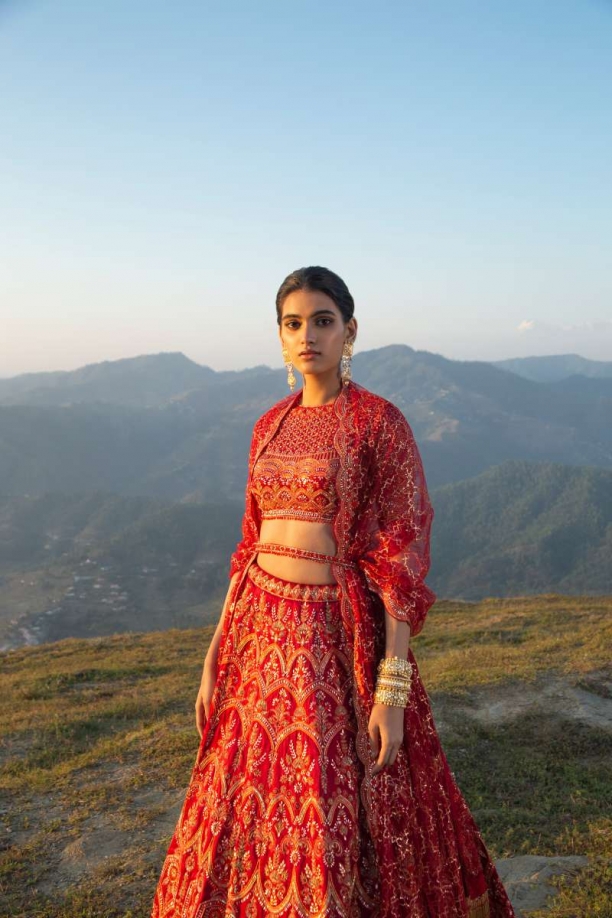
99,736
526,781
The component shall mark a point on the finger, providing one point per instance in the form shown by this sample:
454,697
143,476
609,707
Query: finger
383,758
374,734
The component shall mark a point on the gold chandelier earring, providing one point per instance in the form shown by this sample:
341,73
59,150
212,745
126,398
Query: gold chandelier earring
290,375
345,362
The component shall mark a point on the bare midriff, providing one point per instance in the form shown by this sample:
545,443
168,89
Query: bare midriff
307,534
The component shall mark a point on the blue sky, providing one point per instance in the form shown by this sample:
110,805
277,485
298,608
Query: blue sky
164,166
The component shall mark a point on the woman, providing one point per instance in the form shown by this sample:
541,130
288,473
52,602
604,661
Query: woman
320,787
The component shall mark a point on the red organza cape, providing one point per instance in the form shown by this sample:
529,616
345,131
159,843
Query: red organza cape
432,858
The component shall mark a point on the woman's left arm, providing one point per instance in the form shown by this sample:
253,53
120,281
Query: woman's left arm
397,637
397,561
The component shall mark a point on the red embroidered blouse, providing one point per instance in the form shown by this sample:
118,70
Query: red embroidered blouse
295,476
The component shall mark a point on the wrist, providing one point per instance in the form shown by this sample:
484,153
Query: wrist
393,682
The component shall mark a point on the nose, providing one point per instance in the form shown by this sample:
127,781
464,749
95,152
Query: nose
309,334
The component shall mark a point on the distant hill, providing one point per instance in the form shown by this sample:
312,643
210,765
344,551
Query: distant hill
184,433
550,368
96,564
145,381
122,484
524,528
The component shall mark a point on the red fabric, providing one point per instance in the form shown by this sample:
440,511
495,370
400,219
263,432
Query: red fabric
383,525
430,858
272,823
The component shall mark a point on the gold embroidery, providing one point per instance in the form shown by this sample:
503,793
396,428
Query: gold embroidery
311,592
294,478
272,822
296,487
274,548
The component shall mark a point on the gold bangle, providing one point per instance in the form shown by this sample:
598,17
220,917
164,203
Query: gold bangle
390,674
398,677
400,661
390,682
395,701
388,671
386,696
395,665
394,679
393,686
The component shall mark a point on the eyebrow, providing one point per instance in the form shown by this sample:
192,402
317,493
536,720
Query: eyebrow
319,312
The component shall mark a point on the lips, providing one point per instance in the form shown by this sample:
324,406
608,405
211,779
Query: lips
309,354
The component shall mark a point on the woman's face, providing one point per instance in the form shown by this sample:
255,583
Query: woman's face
312,323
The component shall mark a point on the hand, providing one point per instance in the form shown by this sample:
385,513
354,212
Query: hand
205,693
386,730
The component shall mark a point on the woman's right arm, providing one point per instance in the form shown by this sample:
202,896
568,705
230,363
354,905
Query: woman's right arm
250,533
213,649
209,672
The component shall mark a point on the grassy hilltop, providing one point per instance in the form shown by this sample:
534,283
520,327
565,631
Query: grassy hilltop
98,743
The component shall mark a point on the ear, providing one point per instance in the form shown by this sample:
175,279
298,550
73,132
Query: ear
352,327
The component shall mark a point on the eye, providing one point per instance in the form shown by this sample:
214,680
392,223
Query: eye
326,320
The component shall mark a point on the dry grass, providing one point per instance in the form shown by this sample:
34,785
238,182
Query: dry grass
98,741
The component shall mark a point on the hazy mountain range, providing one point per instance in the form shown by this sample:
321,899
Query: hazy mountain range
555,367
135,469
162,426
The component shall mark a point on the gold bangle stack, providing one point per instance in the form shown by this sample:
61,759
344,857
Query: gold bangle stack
393,681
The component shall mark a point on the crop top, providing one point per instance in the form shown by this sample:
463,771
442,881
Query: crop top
294,477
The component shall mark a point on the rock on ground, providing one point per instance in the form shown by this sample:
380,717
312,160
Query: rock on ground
526,878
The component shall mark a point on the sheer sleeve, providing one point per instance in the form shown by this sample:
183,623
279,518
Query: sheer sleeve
250,519
397,558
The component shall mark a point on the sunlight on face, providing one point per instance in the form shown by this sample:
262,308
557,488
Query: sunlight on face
311,322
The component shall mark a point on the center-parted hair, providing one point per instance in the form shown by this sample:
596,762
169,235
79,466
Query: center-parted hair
320,279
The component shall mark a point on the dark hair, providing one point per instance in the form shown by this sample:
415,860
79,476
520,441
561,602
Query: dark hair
316,278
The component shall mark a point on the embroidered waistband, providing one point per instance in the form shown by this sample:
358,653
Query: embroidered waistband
275,548
312,592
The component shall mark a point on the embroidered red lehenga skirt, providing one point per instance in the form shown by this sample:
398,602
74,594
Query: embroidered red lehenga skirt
273,823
